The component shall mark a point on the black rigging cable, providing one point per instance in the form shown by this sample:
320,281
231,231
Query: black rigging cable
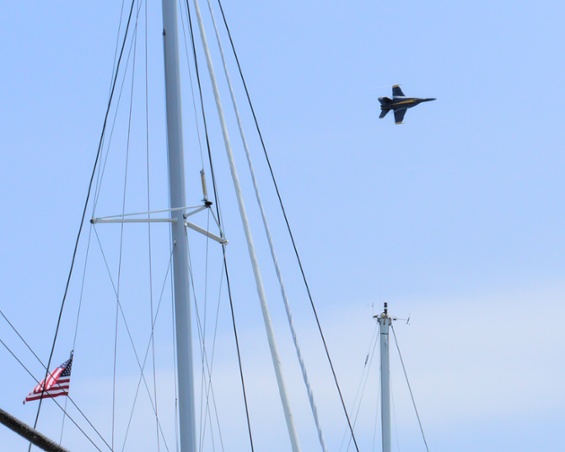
291,235
43,365
20,336
56,402
244,392
90,184
410,389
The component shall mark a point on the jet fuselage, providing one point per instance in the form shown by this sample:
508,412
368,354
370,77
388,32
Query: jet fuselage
400,103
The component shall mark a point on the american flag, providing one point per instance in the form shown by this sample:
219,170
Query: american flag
56,384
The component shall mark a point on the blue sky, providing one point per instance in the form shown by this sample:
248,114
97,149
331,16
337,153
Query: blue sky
455,218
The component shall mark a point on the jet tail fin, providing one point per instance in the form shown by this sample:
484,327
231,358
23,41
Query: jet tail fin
385,102
385,106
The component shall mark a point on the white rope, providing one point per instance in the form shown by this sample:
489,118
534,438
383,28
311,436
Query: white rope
251,248
270,241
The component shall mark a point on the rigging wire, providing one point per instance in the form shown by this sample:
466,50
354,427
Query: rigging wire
291,235
147,350
377,413
204,323
207,363
79,233
56,402
100,173
68,398
20,336
173,329
106,140
79,310
149,236
362,382
149,240
270,242
410,389
219,220
120,22
122,226
394,423
132,50
150,342
206,380
126,324
193,97
213,353
145,357
250,246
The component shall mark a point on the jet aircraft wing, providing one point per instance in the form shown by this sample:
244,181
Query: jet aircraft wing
399,115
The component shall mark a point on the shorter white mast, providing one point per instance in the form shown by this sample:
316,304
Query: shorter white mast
385,321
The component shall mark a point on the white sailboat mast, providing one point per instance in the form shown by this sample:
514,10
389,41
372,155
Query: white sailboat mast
187,423
384,323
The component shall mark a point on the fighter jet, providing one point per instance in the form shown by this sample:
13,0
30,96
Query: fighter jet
399,103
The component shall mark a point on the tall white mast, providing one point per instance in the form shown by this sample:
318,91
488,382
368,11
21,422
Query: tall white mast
384,323
187,423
